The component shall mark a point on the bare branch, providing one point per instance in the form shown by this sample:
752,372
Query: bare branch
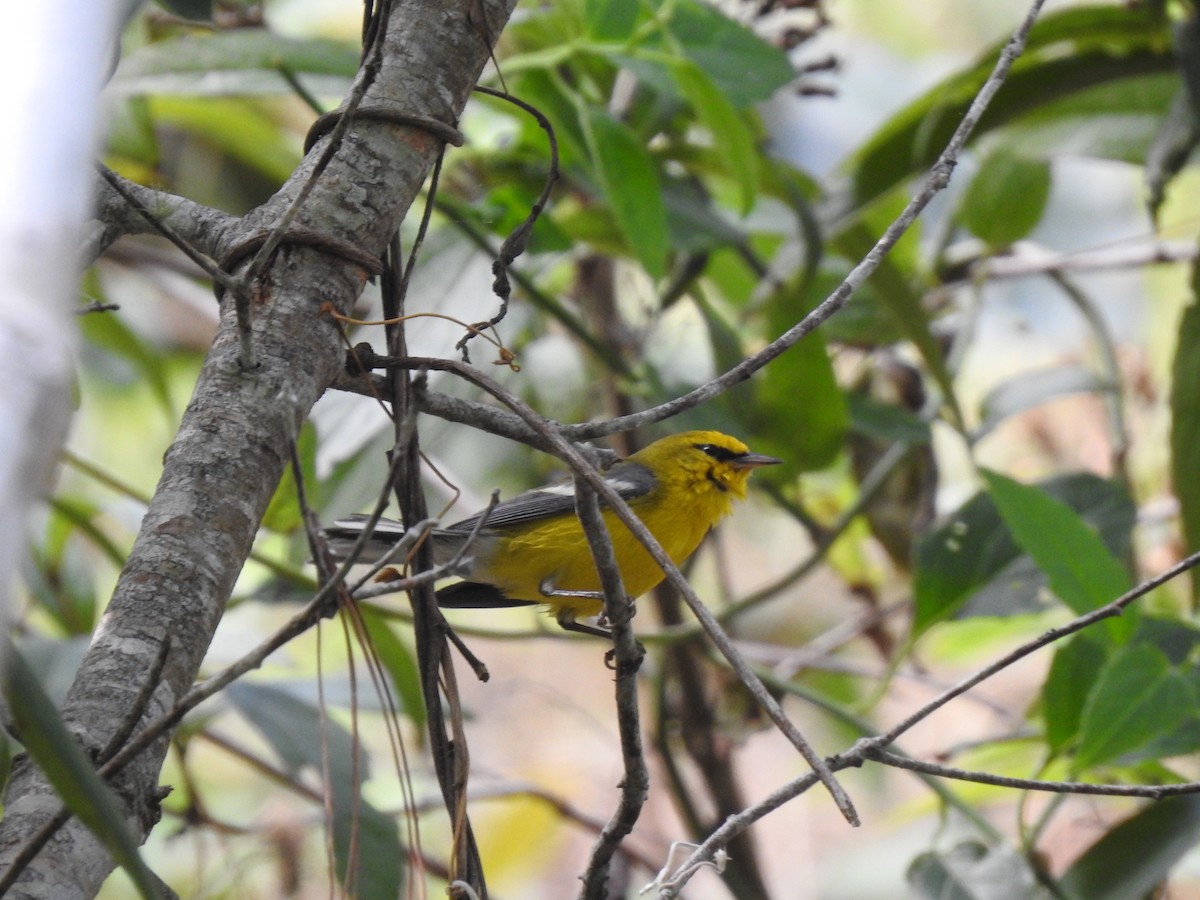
1150,791
628,653
122,207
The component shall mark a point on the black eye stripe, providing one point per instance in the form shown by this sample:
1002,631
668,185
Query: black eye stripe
721,454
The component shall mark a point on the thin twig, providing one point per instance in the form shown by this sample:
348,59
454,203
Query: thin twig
211,269
628,653
1150,791
517,242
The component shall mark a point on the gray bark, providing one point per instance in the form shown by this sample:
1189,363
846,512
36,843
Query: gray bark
232,445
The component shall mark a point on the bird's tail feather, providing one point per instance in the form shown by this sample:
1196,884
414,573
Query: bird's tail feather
474,595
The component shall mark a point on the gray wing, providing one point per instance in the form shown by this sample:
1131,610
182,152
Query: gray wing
628,479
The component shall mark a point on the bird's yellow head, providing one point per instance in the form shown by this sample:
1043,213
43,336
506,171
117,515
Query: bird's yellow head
702,461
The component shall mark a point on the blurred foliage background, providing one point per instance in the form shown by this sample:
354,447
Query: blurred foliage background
997,433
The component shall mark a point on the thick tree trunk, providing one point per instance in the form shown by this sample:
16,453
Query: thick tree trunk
234,439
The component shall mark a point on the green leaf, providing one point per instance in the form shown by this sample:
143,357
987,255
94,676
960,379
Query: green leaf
236,126
806,435
610,20
238,61
897,295
732,138
1133,858
744,67
973,871
108,332
548,95
630,182
295,729
1137,698
82,515
1081,571
399,663
283,513
973,557
864,321
1177,639
692,221
1006,198
809,435
886,421
303,738
130,131
1185,423
1074,670
70,772
1068,52
374,839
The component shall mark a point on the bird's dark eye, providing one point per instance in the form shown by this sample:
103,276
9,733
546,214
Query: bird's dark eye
721,454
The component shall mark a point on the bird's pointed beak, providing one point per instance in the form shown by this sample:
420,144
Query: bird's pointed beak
753,461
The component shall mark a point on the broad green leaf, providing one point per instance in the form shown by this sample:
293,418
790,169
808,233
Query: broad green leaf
973,557
284,514
660,100
238,61
64,580
885,421
70,771
1177,639
630,182
1031,389
744,67
108,333
732,138
897,295
1075,668
1137,698
82,518
1006,198
295,729
864,321
973,871
794,407
63,588
725,341
1185,423
130,132
1133,858
374,838
236,126
766,406
692,221
1081,571
547,94
1067,52
399,663
303,738
1116,119
610,20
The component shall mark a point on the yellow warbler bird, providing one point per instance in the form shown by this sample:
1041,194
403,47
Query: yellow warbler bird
531,550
